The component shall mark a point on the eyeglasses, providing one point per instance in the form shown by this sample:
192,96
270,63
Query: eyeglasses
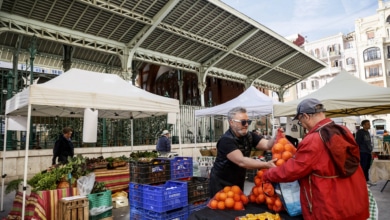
243,122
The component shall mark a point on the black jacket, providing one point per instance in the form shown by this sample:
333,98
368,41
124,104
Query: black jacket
62,149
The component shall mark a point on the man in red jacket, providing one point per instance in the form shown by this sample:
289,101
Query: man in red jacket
329,188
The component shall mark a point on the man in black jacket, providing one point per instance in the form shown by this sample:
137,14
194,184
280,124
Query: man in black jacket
63,147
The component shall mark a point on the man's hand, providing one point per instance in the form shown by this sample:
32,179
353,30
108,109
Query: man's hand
271,163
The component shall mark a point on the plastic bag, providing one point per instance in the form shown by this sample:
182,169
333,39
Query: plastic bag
85,184
289,195
230,197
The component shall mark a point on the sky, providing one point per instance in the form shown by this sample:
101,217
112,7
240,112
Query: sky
313,19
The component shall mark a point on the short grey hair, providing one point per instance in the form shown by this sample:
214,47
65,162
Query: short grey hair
232,112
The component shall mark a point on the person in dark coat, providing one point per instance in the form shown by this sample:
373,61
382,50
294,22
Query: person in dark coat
63,147
164,144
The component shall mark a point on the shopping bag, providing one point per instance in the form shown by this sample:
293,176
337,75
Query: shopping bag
289,195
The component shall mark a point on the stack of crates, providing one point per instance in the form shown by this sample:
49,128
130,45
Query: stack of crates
154,193
198,193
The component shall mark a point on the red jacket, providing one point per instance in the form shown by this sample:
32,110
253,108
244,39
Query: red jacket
323,195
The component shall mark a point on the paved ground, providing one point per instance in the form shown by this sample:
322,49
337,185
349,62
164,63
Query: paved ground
382,199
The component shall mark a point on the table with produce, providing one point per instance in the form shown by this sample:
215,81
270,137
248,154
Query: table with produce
47,188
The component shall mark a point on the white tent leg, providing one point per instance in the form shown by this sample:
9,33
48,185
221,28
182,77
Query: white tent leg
26,159
3,175
179,125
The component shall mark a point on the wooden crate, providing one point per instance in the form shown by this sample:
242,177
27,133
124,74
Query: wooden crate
73,208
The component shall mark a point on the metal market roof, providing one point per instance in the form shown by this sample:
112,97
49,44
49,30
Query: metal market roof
206,37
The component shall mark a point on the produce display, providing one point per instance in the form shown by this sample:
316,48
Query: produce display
260,216
57,176
231,197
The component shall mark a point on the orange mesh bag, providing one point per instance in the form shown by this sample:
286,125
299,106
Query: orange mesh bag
229,198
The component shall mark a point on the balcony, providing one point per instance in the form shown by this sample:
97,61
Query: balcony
350,67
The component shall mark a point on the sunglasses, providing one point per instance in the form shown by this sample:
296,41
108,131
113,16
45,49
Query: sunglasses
243,122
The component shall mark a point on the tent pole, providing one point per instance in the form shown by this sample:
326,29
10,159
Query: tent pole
179,123
26,160
3,175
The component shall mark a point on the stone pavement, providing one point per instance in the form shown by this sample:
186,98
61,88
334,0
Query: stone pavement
382,199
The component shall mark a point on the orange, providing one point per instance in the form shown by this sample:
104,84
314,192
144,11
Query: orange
230,194
221,205
237,197
213,204
252,198
279,162
260,173
286,155
269,201
236,189
277,156
217,196
278,148
229,203
257,181
244,199
260,198
289,147
260,189
283,141
222,196
226,189
278,203
238,206
255,191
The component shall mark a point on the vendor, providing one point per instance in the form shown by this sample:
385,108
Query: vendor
233,151
63,147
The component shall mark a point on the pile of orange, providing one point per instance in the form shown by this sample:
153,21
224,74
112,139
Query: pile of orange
282,150
231,197
264,193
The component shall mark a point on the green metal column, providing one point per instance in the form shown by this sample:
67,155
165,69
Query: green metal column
10,85
33,51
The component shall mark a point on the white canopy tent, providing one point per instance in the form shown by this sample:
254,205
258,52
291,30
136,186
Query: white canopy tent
256,103
75,90
345,95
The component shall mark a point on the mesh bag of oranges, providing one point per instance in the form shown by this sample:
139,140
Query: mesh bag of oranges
230,197
264,193
288,193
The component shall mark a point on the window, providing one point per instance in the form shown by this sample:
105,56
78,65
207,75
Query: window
350,61
370,54
314,84
373,71
370,35
303,85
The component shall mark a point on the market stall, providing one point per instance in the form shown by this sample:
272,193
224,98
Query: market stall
69,94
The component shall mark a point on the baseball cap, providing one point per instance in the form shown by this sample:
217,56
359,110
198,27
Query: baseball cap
165,132
308,106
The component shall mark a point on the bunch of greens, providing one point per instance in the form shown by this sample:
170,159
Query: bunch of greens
47,180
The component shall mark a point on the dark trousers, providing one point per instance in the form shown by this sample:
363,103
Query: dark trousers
365,162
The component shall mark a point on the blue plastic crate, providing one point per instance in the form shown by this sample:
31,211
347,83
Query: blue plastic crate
162,198
137,213
181,167
136,195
